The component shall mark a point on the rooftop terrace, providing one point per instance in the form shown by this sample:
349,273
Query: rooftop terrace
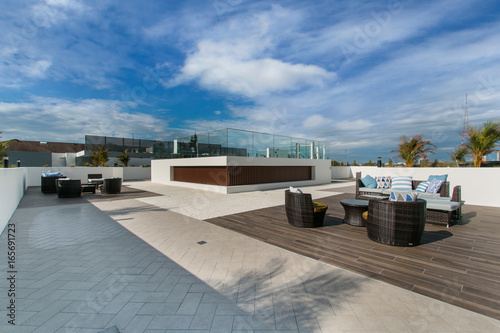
162,259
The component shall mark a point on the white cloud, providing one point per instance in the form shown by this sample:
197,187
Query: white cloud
36,69
50,12
316,121
229,67
53,119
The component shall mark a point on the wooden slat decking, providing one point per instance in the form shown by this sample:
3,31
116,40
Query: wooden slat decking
459,265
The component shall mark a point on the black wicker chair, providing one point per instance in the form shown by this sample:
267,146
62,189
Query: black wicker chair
302,212
111,186
69,188
396,223
49,184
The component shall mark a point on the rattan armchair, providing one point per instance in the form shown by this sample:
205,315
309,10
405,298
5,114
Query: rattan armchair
302,212
111,186
396,223
68,188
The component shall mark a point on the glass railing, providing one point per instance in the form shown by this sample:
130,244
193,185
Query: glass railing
233,142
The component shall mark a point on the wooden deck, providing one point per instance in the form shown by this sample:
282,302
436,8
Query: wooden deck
459,265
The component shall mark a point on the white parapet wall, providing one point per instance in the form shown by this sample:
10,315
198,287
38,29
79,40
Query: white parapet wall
162,172
480,186
129,173
13,183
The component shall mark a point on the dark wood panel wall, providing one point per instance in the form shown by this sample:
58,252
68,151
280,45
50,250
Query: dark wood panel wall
212,175
245,175
241,175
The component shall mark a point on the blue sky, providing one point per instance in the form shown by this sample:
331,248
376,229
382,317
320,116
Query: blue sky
358,74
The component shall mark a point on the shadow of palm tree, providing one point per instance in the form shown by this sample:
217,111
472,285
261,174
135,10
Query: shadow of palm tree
287,297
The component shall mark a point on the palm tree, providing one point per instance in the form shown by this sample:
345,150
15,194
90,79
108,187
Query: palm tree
124,158
481,142
99,155
411,150
459,154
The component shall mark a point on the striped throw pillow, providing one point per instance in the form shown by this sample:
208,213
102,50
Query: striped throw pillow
402,183
422,187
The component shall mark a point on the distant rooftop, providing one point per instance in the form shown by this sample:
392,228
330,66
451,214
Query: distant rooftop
42,146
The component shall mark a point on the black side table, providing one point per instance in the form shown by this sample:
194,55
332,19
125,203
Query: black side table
353,211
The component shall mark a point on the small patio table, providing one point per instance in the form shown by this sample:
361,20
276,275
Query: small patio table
96,181
353,211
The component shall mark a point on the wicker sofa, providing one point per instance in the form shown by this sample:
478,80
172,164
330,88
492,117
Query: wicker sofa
48,184
441,208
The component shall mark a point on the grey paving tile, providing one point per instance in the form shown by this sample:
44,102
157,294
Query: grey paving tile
254,322
159,308
40,304
85,307
45,291
112,329
142,286
190,304
184,331
89,320
215,297
118,302
126,314
150,297
222,324
137,279
151,268
160,275
17,329
178,293
169,283
138,324
78,285
81,295
54,323
170,322
44,315
204,316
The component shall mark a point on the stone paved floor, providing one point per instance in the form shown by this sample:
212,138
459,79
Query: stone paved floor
139,265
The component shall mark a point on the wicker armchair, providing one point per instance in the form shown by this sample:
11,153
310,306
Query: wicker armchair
49,184
111,186
302,212
69,188
396,223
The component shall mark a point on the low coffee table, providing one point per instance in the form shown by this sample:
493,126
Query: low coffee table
354,210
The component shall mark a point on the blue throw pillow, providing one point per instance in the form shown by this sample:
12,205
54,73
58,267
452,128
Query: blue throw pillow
422,187
434,186
369,181
402,183
51,174
438,177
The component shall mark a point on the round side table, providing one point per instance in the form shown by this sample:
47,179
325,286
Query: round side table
353,211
